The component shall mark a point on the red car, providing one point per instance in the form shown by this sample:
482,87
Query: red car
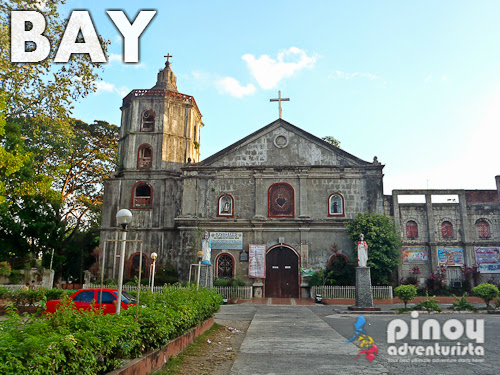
85,299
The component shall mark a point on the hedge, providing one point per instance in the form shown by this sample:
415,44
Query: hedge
30,297
88,342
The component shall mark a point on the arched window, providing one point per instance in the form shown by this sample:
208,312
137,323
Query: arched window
483,229
142,196
148,121
145,157
447,229
225,266
133,266
411,229
280,198
336,205
225,206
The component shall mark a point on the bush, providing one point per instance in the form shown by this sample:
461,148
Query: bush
461,304
110,281
229,282
5,269
77,342
166,274
487,292
430,304
405,293
4,292
15,277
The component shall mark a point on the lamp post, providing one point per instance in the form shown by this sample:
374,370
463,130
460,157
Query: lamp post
123,218
153,256
200,255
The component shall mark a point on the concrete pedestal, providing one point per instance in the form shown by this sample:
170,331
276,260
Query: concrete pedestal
258,288
206,276
364,297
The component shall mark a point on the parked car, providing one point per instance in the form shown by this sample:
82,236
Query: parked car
86,299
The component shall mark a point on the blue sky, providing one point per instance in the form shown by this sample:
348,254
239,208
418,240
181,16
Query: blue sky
415,83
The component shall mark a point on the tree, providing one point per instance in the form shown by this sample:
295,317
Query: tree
12,157
405,293
43,89
58,194
333,141
487,292
383,245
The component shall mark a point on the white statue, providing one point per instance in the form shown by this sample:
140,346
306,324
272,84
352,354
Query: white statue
362,251
206,248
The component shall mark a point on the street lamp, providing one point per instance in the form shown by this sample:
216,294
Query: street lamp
123,218
200,255
153,256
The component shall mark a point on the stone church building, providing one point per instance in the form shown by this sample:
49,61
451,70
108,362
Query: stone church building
275,203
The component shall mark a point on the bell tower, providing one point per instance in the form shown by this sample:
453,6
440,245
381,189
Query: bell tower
160,127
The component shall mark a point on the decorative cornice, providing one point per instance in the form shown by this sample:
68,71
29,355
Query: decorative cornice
161,93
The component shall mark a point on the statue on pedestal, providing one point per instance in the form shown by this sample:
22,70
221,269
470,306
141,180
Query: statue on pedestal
362,251
206,248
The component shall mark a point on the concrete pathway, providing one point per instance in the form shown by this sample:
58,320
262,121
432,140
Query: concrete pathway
294,340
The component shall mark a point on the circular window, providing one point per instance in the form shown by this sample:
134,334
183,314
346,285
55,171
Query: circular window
280,141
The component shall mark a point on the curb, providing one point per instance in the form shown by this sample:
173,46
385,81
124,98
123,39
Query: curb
156,359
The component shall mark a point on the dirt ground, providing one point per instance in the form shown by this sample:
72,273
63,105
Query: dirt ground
215,356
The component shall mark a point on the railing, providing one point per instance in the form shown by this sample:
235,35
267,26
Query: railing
240,292
16,287
349,291
146,92
127,288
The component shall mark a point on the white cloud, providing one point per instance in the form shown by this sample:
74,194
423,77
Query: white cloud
338,74
232,87
428,79
103,86
269,72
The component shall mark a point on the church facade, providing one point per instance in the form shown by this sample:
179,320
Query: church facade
275,203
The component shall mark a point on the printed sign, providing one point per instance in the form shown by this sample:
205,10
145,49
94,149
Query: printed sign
257,262
226,240
415,255
451,257
488,259
306,272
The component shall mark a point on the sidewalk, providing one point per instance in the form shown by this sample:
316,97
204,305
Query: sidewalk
293,340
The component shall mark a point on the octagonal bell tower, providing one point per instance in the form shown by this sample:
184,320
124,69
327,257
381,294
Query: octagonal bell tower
160,127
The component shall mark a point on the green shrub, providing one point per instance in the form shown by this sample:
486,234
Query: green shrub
487,292
110,281
221,282
5,269
15,277
405,293
318,278
4,292
430,304
462,304
87,342
229,282
55,294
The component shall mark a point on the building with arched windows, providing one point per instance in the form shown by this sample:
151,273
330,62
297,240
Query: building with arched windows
280,192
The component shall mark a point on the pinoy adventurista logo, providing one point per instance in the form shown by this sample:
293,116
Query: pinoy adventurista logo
433,341
370,348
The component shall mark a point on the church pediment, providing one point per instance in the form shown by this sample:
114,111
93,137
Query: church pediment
280,144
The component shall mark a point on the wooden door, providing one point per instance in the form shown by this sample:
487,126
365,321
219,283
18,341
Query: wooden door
282,273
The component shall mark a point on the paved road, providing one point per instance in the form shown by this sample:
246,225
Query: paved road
310,340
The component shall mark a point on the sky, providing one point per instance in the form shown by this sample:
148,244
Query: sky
416,84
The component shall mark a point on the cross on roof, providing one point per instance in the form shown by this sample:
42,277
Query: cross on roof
168,57
279,100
